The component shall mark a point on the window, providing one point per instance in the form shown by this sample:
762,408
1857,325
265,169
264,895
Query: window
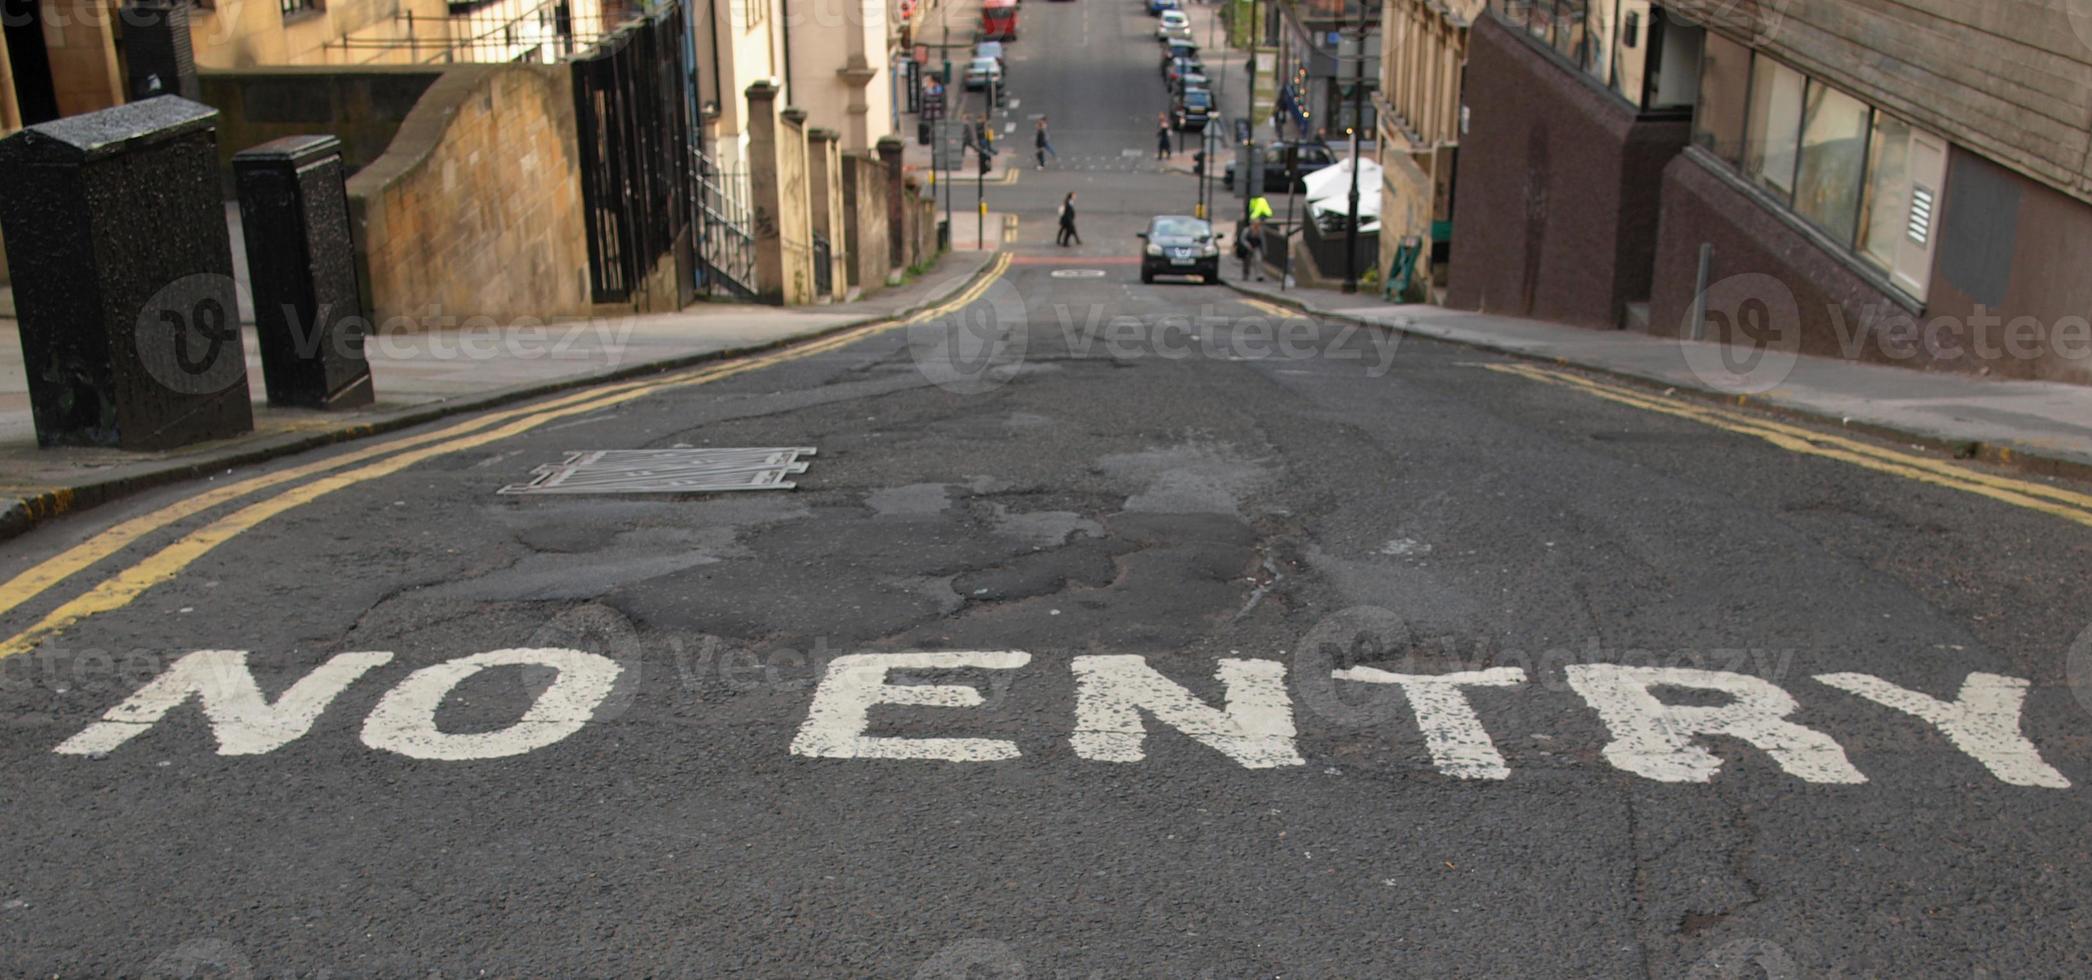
1599,64
758,11
1569,36
1773,133
1869,182
1541,24
1898,222
1833,161
1615,42
1888,192
1725,85
294,8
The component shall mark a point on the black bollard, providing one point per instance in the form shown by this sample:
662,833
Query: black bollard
122,269
308,310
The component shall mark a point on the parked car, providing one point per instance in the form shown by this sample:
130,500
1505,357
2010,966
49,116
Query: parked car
1313,157
1191,110
1178,245
1156,7
1172,21
1177,71
982,72
1179,49
988,49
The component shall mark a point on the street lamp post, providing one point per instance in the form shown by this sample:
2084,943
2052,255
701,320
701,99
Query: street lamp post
944,50
1248,167
1358,89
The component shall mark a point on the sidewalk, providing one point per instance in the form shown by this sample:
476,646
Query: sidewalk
2044,427
425,376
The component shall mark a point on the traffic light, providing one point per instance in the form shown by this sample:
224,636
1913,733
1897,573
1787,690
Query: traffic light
986,159
1198,164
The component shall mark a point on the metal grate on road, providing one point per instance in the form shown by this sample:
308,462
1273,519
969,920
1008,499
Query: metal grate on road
666,471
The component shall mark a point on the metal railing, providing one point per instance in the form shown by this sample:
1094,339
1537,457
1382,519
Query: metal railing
489,32
725,228
824,267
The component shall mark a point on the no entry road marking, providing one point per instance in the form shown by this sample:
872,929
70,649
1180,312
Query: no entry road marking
1118,700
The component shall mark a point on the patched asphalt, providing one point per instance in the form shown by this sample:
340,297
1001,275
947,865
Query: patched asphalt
1349,502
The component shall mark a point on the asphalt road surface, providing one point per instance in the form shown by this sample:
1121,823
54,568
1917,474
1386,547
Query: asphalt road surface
1114,630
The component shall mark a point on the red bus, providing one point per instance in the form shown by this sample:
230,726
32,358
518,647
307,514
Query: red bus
999,20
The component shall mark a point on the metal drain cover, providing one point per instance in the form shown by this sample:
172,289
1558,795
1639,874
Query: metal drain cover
667,471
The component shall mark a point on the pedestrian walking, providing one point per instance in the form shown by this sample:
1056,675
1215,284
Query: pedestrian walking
1162,137
1068,221
1042,144
1255,240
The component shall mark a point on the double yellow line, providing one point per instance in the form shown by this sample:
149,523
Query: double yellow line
1273,309
2054,501
381,459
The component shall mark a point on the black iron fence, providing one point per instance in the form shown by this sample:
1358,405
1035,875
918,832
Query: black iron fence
824,267
725,231
633,126
487,32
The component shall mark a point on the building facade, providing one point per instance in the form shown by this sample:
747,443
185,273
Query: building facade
1897,185
1921,182
1424,59
1328,66
1570,124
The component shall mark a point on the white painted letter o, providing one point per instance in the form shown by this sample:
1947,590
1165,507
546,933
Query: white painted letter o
405,719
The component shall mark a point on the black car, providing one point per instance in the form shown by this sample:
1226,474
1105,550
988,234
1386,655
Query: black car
1191,110
1313,157
1177,245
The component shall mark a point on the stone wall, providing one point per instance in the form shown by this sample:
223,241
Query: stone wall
363,107
82,49
864,221
475,209
824,181
783,209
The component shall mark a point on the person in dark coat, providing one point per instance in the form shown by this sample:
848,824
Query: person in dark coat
1068,221
1162,136
1042,144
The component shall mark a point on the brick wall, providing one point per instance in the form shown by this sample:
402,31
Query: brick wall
475,209
1559,188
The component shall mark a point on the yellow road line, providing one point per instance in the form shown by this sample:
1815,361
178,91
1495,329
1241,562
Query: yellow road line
34,580
124,587
2054,501
1273,309
1940,467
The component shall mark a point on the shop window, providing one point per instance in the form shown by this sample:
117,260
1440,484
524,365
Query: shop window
1772,134
1725,88
1833,162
